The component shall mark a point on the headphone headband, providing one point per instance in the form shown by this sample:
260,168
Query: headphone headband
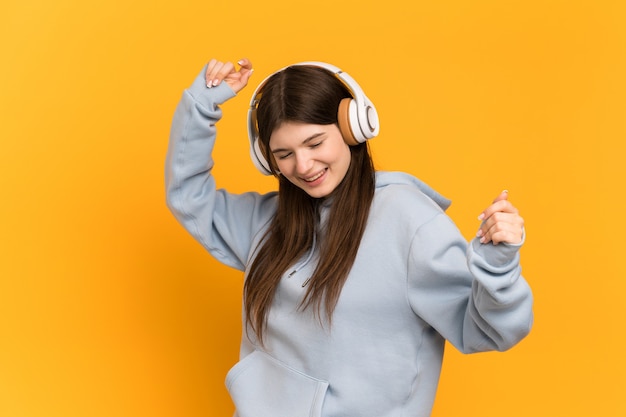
360,114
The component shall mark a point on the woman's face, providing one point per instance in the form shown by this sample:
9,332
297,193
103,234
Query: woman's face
315,158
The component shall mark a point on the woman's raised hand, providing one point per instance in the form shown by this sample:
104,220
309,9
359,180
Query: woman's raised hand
501,222
218,71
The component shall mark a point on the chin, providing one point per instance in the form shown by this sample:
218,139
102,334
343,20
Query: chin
317,193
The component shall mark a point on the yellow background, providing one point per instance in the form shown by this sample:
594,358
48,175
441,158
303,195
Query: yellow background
107,306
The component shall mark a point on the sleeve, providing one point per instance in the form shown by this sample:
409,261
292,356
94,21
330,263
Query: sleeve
225,224
473,295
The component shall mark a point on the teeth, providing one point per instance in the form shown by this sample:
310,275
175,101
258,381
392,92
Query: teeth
315,177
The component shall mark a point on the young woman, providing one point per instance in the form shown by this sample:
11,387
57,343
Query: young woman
354,279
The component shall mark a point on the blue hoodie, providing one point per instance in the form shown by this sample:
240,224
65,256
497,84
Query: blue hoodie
415,283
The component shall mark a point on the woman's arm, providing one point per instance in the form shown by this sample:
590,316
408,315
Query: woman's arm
474,296
225,224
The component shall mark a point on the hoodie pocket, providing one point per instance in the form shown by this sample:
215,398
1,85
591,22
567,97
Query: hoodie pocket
261,386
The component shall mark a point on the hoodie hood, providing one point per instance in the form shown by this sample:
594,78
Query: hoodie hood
384,178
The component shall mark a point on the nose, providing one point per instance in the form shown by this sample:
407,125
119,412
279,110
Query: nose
303,163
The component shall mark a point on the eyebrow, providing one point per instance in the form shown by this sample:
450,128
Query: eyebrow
304,142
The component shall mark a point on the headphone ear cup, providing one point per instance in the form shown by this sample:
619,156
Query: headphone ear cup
258,159
256,154
345,123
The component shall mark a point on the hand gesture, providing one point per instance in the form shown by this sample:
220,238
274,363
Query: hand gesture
501,222
218,71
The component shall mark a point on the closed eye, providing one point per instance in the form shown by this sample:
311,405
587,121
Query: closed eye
284,153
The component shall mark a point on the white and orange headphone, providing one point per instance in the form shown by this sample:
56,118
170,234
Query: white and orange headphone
357,116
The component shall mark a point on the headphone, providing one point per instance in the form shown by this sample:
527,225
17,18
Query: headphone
357,116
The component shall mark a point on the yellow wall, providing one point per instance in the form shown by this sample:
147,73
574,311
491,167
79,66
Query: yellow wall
107,306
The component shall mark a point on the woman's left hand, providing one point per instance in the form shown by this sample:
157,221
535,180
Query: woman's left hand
501,222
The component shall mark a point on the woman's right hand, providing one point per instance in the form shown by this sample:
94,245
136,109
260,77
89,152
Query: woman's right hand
218,71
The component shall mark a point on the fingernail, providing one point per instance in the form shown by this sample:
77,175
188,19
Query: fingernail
481,216
505,191
208,84
216,82
479,233
240,62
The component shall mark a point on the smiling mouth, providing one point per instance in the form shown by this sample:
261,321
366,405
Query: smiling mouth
315,177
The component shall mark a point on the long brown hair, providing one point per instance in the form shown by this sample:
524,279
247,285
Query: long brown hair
307,94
